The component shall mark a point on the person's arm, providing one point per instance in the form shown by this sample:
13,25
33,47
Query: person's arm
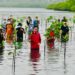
27,23
30,38
6,29
2,36
23,31
38,21
61,30
39,38
67,29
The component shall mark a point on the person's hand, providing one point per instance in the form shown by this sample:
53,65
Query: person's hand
21,29
24,32
39,44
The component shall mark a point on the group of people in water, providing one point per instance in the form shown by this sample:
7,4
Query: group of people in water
57,29
12,30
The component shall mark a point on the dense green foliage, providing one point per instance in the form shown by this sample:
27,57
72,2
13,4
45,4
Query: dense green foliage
68,5
55,26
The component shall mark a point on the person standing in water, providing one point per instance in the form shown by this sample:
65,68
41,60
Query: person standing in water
9,32
52,39
1,39
29,20
35,40
4,22
30,25
30,29
20,32
36,22
64,32
64,19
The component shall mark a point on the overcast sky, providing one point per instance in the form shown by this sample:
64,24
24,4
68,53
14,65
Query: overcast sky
26,3
29,0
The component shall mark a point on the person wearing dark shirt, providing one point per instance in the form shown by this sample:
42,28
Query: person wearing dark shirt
28,21
36,22
64,31
1,39
20,32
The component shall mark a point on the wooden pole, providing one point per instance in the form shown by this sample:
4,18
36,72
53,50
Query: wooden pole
14,59
64,57
45,41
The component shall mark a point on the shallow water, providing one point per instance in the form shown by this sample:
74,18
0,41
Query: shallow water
50,62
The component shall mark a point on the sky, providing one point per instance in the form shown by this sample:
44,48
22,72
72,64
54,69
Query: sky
26,3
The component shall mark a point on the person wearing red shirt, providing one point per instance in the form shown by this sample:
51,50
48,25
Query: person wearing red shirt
52,34
35,40
9,33
52,39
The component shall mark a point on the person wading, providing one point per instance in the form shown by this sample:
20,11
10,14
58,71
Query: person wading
9,32
36,22
1,39
64,32
35,40
52,39
29,20
20,32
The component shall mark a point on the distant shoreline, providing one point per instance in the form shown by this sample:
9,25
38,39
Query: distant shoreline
25,11
68,5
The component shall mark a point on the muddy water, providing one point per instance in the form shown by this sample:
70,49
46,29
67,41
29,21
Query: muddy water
49,62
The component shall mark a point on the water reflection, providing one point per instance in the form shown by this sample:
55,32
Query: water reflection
53,56
65,65
1,55
35,57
